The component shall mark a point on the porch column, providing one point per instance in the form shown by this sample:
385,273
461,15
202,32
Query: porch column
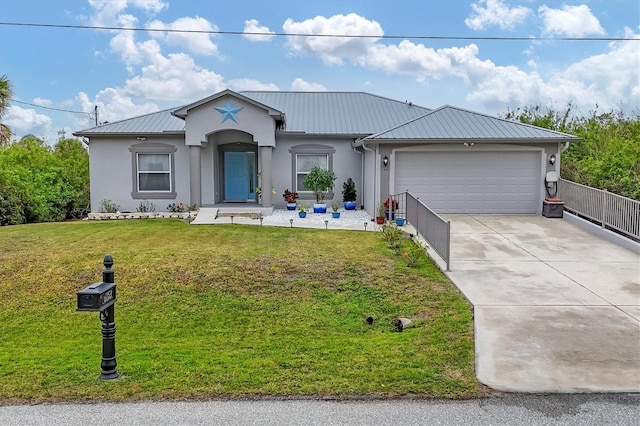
195,175
265,169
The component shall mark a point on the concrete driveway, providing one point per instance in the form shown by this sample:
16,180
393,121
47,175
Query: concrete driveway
557,309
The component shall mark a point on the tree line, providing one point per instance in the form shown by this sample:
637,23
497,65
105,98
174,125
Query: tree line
40,183
608,154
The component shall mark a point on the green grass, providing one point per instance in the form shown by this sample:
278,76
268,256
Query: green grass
226,311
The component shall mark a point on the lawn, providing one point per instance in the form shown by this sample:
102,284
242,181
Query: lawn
226,311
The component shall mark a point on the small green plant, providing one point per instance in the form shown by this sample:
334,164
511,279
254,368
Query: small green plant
303,207
413,252
349,190
335,205
392,235
146,207
108,206
320,181
381,210
192,207
176,208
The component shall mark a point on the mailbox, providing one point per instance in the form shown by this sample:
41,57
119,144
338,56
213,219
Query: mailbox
97,297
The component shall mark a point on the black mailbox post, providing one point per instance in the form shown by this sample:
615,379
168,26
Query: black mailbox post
101,297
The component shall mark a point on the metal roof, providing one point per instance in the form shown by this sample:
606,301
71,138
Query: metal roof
449,122
156,122
350,113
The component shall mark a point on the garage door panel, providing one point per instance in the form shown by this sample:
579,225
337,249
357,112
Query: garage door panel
471,182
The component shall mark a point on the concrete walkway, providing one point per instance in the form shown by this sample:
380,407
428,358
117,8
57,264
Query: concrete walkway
557,309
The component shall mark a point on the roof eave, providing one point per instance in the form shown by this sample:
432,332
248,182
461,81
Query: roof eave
362,141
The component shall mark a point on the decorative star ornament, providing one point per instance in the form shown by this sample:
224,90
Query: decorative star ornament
228,111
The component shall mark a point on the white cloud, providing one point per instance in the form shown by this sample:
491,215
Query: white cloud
113,105
199,43
253,26
417,59
108,12
175,77
240,84
299,85
42,102
610,79
496,13
23,121
570,21
332,50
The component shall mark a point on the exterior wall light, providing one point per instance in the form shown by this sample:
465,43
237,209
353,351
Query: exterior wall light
385,161
552,159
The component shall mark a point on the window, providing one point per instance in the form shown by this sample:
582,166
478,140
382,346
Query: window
153,171
304,164
303,159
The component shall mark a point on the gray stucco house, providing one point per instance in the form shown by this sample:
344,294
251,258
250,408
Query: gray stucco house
219,149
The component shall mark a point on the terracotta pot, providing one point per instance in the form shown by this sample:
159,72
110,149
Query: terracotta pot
379,220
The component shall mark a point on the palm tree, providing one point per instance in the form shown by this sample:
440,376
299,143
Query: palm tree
6,93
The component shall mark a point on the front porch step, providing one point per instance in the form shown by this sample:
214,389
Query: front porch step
208,215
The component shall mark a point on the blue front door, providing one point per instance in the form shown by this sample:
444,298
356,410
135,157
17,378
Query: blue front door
236,176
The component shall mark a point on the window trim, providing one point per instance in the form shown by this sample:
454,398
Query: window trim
309,149
153,148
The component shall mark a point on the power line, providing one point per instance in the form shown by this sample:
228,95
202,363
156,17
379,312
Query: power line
51,108
261,33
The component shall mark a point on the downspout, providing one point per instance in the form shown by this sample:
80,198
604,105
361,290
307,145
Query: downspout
375,172
361,177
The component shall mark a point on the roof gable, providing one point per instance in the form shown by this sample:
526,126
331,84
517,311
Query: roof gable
184,111
454,123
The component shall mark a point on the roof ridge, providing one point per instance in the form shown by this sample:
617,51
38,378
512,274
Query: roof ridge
337,92
501,119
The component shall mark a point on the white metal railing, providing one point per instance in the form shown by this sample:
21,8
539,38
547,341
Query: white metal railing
611,211
428,224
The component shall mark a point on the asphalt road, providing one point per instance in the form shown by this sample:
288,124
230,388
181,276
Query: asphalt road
510,409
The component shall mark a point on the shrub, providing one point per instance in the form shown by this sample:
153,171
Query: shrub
349,190
108,206
176,208
320,181
146,206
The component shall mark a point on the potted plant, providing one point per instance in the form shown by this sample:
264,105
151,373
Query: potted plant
320,181
335,206
390,205
302,209
349,194
380,216
290,198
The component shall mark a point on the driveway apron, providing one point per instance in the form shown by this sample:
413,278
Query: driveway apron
556,308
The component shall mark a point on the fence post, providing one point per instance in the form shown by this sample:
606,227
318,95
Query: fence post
448,245
604,208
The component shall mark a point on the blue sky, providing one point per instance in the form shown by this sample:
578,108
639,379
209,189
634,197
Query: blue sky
128,73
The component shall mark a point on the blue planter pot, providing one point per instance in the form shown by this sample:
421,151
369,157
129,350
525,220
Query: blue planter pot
302,214
319,208
349,205
335,215
399,221
291,206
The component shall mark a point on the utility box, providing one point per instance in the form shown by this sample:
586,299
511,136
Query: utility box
552,207
97,297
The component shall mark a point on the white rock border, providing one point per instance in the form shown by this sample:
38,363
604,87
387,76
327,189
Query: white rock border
140,215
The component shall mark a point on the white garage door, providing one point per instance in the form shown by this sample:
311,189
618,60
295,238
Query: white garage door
471,182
